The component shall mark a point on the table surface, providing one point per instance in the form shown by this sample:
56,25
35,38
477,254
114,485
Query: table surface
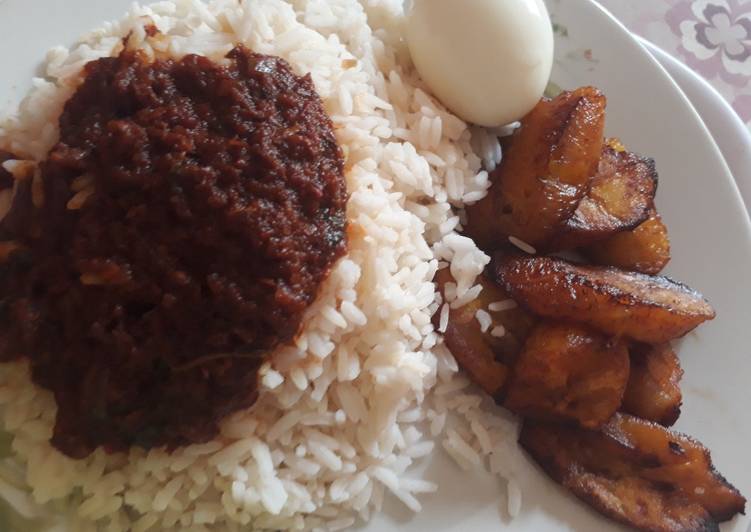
712,37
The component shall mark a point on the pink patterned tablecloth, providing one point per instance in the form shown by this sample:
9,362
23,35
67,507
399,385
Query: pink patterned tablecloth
712,37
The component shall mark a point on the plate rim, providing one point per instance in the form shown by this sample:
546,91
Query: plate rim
712,142
687,101
729,115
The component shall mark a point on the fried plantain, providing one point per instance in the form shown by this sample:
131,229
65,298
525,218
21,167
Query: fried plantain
619,199
645,249
467,343
644,308
653,392
568,373
636,472
482,355
474,355
683,464
545,171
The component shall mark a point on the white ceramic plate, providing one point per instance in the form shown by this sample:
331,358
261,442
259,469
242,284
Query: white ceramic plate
710,231
729,132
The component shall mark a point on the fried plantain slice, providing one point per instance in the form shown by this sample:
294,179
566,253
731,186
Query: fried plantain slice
636,472
653,392
482,355
685,464
568,373
619,199
545,171
644,308
645,249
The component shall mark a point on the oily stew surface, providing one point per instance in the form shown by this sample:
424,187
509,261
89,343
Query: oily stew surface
190,212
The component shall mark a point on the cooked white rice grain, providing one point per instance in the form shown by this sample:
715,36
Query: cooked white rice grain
499,331
468,296
514,497
521,244
501,306
484,319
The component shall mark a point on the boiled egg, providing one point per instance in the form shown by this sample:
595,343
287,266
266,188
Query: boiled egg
487,61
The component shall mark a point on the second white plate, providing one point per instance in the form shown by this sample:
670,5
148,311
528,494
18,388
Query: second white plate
731,134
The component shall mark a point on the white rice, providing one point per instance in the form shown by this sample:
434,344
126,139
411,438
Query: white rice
521,244
501,306
499,331
484,319
350,407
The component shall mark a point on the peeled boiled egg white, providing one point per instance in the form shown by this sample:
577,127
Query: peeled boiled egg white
488,61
